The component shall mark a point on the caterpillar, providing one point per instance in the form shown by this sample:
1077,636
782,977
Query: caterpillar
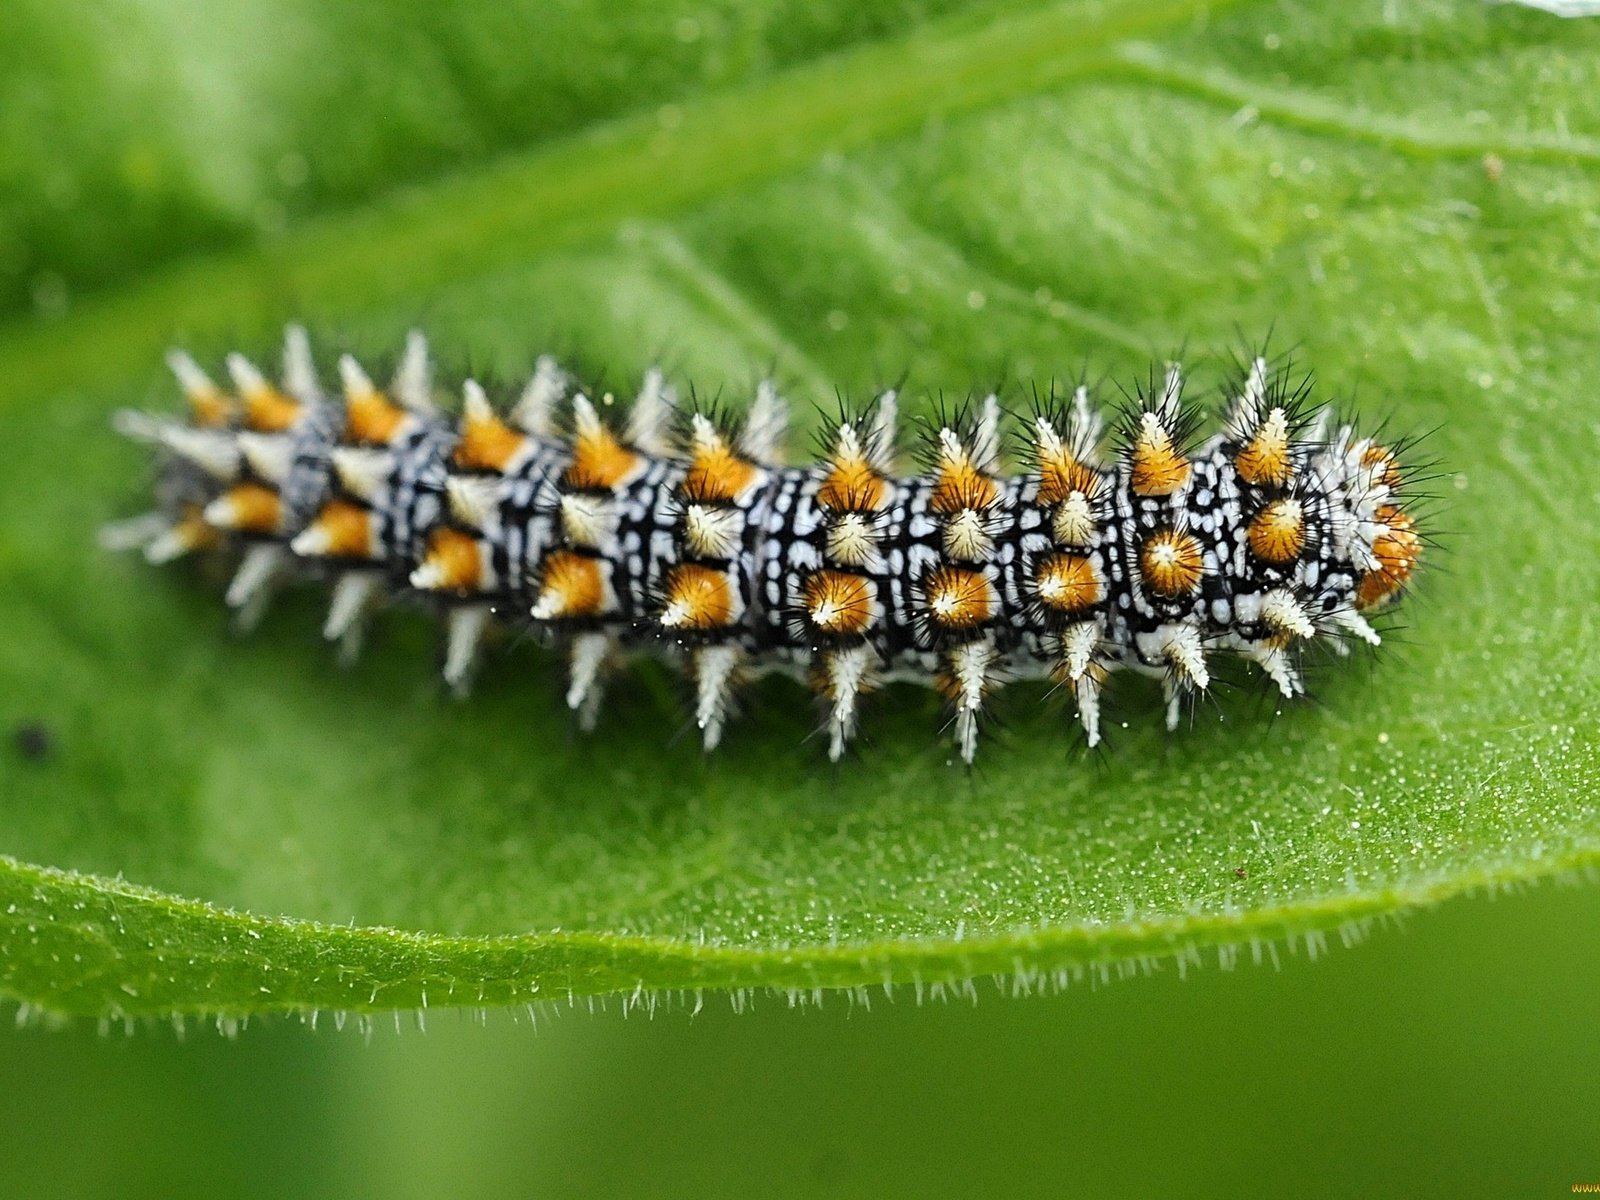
679,532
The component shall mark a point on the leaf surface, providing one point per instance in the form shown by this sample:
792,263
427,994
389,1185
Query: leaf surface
1405,191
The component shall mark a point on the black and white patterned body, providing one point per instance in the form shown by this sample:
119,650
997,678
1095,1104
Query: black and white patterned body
696,544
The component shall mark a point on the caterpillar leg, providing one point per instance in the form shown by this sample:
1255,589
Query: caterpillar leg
354,595
464,630
584,689
846,674
970,666
714,668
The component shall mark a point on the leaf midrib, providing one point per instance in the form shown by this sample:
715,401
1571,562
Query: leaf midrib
581,187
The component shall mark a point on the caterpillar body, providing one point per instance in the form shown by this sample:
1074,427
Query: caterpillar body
678,533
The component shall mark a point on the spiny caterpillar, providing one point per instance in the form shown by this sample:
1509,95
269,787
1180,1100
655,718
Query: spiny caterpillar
679,533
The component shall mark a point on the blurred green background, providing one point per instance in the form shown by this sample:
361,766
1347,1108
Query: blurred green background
1455,1057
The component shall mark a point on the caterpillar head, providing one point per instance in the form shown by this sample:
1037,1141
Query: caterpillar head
1374,529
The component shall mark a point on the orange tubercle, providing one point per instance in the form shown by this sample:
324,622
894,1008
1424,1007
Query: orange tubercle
699,597
211,408
267,410
370,416
453,563
1060,475
958,598
599,462
1068,583
838,602
193,532
1381,456
342,530
1266,461
1172,563
1397,549
852,486
487,444
961,485
571,585
717,475
254,508
1158,468
1278,532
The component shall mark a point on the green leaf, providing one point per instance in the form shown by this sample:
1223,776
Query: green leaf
1405,190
